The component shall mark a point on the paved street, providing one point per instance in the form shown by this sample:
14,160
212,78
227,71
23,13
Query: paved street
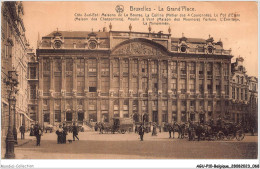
93,145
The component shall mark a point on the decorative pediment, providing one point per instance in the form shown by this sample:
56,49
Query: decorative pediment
138,48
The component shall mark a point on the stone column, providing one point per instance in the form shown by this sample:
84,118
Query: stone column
74,89
205,80
39,115
169,77
187,78
63,88
52,91
140,91
111,105
197,110
159,92
214,78
99,89
86,90
197,78
178,93
150,90
111,110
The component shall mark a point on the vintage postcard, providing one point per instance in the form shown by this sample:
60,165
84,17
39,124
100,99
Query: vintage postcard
132,80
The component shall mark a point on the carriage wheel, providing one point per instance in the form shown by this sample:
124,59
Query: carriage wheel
123,131
240,135
220,136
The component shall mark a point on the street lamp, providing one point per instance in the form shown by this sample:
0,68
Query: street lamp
12,82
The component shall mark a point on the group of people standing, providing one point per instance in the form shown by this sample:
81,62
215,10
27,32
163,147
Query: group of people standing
36,131
62,133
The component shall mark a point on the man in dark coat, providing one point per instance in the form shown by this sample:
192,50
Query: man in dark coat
22,130
37,133
141,132
75,132
64,134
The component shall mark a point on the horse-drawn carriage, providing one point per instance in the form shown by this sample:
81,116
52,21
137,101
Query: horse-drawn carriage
118,125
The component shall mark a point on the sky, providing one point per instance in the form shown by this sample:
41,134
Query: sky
241,37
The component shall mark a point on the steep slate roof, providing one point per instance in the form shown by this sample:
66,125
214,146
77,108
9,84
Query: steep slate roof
79,34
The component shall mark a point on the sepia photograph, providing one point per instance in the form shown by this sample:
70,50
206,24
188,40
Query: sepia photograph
129,80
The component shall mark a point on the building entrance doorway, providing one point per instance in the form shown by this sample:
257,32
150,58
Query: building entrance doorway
155,116
135,117
202,118
68,116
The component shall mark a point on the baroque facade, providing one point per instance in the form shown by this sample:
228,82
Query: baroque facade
95,76
14,48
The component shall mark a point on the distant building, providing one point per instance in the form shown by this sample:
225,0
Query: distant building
13,57
95,76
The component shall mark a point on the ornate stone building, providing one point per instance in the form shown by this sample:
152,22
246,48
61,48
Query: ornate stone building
95,76
14,48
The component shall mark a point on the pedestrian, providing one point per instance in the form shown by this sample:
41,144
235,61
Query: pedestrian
59,135
22,130
38,134
64,134
75,132
154,132
141,132
32,130
136,128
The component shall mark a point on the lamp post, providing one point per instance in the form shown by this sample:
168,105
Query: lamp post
14,126
12,83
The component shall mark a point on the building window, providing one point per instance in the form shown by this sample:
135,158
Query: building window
104,84
125,66
46,65
154,65
135,66
233,92
32,73
226,90
246,94
116,66
144,66
92,65
80,84
69,65
237,93
218,87
217,69
192,85
225,69
116,108
155,84
201,86
116,83
174,67
164,116
144,84
57,83
242,94
92,84
135,84
33,92
174,105
209,86
183,116
164,67
201,68
57,65
92,109
173,85
183,85
46,116
57,116
69,82
192,68
135,105
125,84
237,79
126,108
183,67
104,110
154,105
164,85
80,67
209,69
144,105
46,84
174,116
242,80
104,67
